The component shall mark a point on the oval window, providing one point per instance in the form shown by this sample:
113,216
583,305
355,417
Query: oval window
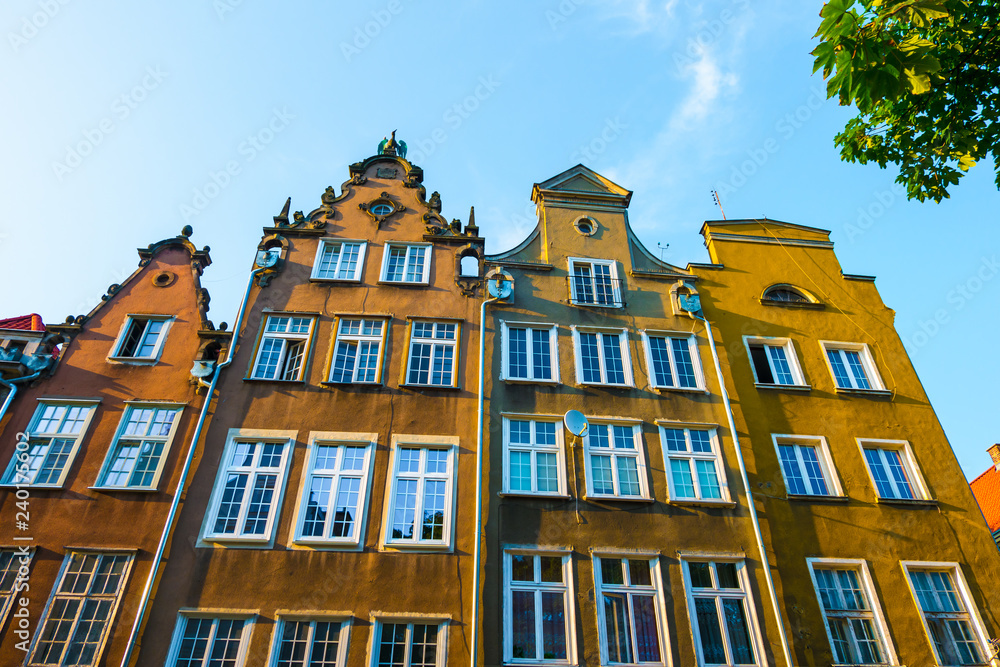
381,209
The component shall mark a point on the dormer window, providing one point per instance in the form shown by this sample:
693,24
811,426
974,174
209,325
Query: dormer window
788,295
141,339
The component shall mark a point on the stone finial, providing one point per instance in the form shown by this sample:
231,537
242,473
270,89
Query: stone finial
187,231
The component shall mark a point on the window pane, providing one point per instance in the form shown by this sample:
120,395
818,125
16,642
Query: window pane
779,362
661,362
682,359
613,358
680,473
708,480
739,633
617,627
727,575
647,640
552,569
611,571
541,355
518,354
709,632
857,369
814,471
553,626
523,633
839,369
520,471
590,359
760,364
600,469
898,473
522,567
548,473
638,573
790,466
628,476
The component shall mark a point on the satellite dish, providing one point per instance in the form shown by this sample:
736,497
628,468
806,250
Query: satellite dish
500,286
576,423
268,258
202,369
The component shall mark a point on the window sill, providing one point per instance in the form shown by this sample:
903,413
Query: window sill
607,384
528,381
430,386
400,283
273,380
906,502
784,387
538,496
587,304
37,487
415,547
133,361
236,542
331,383
864,392
627,499
352,281
687,390
816,498
126,489
696,502
324,546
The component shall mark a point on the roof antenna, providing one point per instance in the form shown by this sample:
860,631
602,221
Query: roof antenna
663,249
718,202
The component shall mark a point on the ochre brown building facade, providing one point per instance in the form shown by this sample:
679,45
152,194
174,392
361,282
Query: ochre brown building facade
728,463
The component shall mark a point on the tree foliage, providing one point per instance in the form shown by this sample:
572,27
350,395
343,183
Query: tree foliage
925,78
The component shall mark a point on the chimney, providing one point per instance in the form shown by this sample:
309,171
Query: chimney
995,453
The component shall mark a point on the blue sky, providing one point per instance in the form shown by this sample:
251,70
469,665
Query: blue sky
126,121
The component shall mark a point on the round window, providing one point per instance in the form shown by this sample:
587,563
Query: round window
381,209
585,225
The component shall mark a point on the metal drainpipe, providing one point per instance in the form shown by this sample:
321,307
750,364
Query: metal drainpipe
479,482
746,485
12,389
172,514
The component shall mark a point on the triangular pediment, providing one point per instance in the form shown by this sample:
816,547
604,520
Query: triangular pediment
581,181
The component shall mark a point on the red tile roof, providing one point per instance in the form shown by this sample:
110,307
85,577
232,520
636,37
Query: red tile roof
986,488
31,322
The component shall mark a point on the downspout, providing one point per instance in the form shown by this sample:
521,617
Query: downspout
12,390
479,481
693,309
175,503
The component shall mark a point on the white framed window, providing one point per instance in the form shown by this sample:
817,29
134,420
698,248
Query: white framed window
338,259
74,626
630,616
852,366
534,457
722,613
135,458
774,362
851,613
282,348
616,461
694,463
309,642
949,615
202,640
54,435
141,338
357,355
594,282
893,470
333,507
14,571
538,608
529,352
406,263
409,642
672,359
602,357
421,496
433,353
249,487
806,466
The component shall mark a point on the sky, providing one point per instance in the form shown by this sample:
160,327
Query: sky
126,121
